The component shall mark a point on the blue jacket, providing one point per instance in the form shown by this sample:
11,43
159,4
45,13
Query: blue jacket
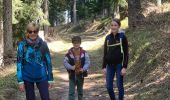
33,65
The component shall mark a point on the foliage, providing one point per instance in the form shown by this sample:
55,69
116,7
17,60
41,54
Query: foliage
56,11
25,11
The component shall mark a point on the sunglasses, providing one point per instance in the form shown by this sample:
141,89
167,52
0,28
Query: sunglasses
30,32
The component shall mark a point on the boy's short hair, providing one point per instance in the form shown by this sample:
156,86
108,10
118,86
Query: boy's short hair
76,39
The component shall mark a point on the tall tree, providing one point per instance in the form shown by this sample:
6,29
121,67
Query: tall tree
159,2
7,30
46,15
1,42
1,35
134,13
74,12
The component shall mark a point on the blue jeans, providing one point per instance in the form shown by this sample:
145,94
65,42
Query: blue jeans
111,70
42,87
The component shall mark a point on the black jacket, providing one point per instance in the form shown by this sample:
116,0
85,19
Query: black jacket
113,55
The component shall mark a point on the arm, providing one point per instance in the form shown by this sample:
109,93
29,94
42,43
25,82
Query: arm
66,63
87,62
48,64
126,52
20,52
105,52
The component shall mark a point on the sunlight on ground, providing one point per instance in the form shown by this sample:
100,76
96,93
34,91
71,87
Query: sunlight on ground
158,81
166,7
8,70
94,75
59,46
131,96
93,27
124,23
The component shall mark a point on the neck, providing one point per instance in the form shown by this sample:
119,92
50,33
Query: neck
114,33
76,48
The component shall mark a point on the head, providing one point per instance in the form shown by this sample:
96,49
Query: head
32,31
115,25
76,41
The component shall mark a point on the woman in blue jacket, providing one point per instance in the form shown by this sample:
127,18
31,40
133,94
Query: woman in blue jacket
34,64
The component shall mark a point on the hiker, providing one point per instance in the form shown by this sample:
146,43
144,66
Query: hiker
115,59
77,62
34,64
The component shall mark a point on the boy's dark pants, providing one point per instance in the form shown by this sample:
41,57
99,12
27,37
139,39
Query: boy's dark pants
42,87
73,82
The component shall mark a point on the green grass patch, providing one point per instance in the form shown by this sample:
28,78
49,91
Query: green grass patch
7,85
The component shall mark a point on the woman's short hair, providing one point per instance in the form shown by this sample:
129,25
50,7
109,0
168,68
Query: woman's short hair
33,25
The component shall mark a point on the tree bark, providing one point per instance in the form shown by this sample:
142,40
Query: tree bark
1,45
7,44
74,12
134,13
116,13
46,13
159,2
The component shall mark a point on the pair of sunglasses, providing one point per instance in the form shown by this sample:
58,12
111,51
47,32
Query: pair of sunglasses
35,31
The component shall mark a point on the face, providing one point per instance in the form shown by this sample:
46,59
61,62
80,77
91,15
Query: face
114,27
76,45
32,33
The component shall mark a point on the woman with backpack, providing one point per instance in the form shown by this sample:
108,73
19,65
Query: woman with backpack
34,65
115,59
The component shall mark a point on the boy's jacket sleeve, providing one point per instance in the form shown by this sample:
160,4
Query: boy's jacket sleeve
66,63
87,62
19,61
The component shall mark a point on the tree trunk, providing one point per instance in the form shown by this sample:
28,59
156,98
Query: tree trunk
134,13
7,31
74,12
108,11
103,9
71,10
46,13
159,2
116,13
1,45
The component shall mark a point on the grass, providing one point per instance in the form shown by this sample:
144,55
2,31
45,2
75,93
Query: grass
8,82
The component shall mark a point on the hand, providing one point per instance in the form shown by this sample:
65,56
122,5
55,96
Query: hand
73,67
50,85
81,70
104,71
123,71
21,87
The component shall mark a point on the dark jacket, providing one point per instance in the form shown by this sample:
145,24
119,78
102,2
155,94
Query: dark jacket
113,54
69,61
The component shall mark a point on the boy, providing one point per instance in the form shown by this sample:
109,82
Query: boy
77,62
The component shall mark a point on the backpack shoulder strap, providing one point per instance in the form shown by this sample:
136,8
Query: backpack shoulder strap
107,39
121,36
43,47
25,47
